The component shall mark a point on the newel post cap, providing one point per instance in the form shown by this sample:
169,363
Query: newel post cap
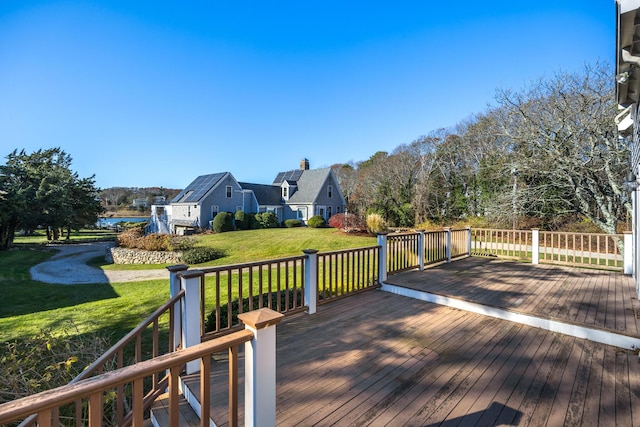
189,274
261,318
310,251
178,267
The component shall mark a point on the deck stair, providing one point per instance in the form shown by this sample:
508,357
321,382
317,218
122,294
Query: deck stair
159,415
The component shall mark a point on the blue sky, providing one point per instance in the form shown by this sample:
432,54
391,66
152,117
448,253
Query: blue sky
155,93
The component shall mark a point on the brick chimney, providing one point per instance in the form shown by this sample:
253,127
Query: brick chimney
304,164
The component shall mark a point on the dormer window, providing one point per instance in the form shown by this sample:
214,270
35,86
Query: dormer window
284,192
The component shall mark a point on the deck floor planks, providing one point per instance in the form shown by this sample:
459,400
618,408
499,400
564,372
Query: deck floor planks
439,407
430,386
390,375
623,401
450,342
478,381
512,380
526,376
580,391
553,384
412,400
591,412
398,356
587,300
471,409
607,413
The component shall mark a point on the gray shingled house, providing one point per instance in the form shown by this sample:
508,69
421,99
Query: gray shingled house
295,194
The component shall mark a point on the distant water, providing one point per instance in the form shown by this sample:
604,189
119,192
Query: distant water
110,222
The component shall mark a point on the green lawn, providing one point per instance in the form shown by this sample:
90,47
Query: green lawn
259,245
40,237
114,309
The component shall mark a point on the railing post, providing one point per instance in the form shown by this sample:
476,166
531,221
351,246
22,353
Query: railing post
469,240
420,250
174,288
628,253
260,367
382,262
535,246
447,248
311,280
191,327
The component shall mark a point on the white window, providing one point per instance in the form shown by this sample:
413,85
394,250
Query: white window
284,192
228,192
301,213
329,191
214,211
328,211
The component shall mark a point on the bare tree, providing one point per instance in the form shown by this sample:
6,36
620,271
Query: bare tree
565,146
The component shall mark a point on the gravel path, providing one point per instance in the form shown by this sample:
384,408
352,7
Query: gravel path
68,267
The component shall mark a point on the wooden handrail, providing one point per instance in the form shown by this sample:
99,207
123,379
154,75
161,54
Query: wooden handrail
344,251
53,398
222,268
129,337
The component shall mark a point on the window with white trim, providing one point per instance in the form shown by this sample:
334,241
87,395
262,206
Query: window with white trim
229,191
329,190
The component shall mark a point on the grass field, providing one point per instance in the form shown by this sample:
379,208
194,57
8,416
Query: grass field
114,309
40,237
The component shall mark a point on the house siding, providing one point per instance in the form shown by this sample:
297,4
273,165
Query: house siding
329,203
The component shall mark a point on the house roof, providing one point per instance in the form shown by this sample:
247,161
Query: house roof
310,183
200,186
267,195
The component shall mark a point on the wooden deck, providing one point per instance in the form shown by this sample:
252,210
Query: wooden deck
382,359
594,298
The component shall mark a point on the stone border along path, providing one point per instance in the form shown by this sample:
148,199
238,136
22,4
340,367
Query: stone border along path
69,267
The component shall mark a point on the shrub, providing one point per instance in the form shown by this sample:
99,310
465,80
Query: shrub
347,222
46,361
154,242
242,220
290,223
129,238
252,221
316,221
223,222
134,239
375,223
180,243
267,220
201,254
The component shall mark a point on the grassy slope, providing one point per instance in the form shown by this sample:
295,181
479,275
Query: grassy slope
114,309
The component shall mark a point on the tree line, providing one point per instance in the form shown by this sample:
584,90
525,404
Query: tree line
544,155
39,190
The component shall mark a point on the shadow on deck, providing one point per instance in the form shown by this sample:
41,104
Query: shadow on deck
382,359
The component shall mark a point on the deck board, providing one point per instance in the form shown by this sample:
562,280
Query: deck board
381,359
